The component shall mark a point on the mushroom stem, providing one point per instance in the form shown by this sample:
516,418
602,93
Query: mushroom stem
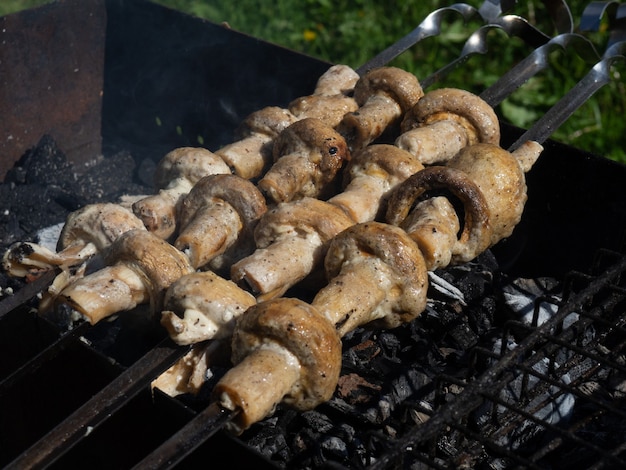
290,240
283,350
308,155
269,375
139,268
384,95
175,175
105,292
444,121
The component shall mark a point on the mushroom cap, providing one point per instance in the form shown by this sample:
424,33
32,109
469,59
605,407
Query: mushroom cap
308,155
402,86
202,305
100,224
156,260
477,231
270,121
239,192
382,160
191,163
500,179
339,79
304,215
302,330
472,112
392,245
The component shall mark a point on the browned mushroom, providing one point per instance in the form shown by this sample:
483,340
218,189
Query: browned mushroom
175,175
500,176
216,220
251,153
491,184
139,268
201,306
86,232
308,155
389,270
331,99
291,239
444,121
284,350
370,176
433,224
384,95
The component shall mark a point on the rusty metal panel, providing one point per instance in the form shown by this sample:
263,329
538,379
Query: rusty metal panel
51,79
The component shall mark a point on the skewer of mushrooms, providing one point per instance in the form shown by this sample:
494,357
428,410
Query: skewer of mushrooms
286,350
249,156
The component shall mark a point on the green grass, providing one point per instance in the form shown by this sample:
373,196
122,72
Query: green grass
352,31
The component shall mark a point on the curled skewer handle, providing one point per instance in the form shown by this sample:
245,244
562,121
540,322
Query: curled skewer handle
595,79
430,26
592,18
512,25
534,63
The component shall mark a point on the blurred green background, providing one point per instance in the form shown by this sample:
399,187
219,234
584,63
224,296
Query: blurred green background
352,31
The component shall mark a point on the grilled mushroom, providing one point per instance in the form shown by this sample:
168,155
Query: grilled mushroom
501,179
377,276
432,225
291,239
384,95
217,220
201,306
331,99
444,121
307,157
251,153
175,175
284,350
86,232
139,268
370,175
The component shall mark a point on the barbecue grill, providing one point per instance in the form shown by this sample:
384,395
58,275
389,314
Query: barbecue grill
531,374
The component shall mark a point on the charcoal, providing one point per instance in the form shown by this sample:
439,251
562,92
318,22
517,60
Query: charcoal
43,188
